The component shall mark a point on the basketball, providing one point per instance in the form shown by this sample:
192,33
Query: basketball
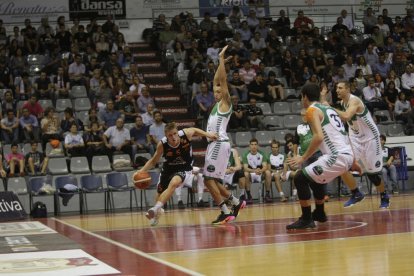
142,180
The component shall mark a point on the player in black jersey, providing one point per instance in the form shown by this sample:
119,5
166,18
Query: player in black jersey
177,168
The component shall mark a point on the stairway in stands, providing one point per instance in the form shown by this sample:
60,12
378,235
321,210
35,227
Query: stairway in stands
167,95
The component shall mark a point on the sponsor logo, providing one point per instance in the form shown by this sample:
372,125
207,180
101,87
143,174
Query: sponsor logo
10,206
211,168
377,164
317,170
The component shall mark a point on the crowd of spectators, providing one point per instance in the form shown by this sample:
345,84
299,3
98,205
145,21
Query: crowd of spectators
375,59
70,56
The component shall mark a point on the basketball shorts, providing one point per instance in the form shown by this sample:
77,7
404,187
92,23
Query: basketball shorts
217,157
233,177
278,171
370,154
255,178
328,167
165,178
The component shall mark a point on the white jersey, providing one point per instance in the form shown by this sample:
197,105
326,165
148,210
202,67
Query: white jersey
217,122
335,138
362,127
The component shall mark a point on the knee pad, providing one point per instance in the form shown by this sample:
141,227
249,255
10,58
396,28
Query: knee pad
318,190
375,178
302,185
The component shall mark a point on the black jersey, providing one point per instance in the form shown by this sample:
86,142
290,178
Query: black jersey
178,158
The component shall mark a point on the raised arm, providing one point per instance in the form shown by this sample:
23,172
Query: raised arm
220,77
193,131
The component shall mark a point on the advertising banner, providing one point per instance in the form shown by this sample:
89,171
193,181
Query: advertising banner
100,9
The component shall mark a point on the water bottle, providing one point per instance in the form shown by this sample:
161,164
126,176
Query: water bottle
260,194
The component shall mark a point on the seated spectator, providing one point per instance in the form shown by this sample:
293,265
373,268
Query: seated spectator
148,117
283,24
392,76
255,115
379,83
43,86
94,142
74,143
366,68
205,101
117,138
223,28
391,95
235,16
195,77
24,87
69,120
34,107
50,127
8,103
109,115
347,20
371,55
30,126
303,24
140,137
128,108
245,33
92,117
238,119
144,99
388,168
288,66
213,51
3,173
407,81
238,86
77,71
372,97
258,43
339,28
61,84
258,89
10,128
247,73
36,161
14,161
252,20
275,88
255,170
156,130
404,112
360,79
276,162
369,21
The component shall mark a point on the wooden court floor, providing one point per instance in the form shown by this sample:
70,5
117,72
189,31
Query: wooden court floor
361,240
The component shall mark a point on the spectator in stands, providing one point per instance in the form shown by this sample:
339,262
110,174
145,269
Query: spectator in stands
206,24
205,101
68,120
179,55
370,55
409,21
30,126
262,28
34,107
117,138
76,72
156,130
176,23
379,83
275,88
407,81
74,144
391,95
366,68
128,107
109,115
382,26
339,28
136,86
63,39
18,62
257,42
378,37
381,67
144,100
140,137
255,169
303,24
238,119
212,52
235,16
369,21
23,85
10,127
404,112
255,60
81,38
372,97
283,24
166,38
238,87
50,126
92,117
288,64
94,142
195,78
31,42
252,20
347,20
36,161
361,82
61,84
392,76
258,90
387,19
44,87
255,115
247,73
14,161
388,169
148,116
9,103
6,78
276,162
245,33
349,67
103,94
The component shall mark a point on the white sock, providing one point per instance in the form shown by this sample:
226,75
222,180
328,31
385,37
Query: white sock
295,192
281,194
242,192
200,186
225,209
234,200
157,206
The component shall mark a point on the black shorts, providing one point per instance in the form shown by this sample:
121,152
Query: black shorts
165,179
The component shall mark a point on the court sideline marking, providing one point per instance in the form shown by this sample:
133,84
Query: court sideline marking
131,249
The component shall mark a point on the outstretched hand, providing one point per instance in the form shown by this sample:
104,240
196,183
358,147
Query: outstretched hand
221,54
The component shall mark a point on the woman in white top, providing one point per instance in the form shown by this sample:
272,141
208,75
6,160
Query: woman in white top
366,68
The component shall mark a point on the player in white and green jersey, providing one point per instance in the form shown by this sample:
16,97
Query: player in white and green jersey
330,137
365,140
218,151
276,163
255,170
